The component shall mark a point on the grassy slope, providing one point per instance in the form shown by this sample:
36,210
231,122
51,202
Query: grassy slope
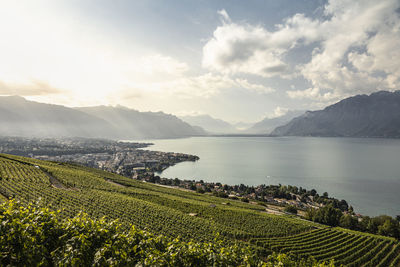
166,211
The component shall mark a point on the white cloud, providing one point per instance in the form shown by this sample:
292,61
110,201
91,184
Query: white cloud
258,88
205,86
356,44
382,52
33,88
278,112
244,48
160,64
337,64
224,15
312,93
252,49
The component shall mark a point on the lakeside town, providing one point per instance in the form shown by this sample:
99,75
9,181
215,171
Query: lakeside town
125,158
131,159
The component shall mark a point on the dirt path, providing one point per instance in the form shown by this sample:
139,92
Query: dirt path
114,183
171,187
54,182
273,211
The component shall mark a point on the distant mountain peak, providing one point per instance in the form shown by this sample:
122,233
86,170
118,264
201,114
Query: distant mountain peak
267,125
210,124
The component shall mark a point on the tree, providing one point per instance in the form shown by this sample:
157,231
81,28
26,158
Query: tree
389,228
291,209
200,190
386,225
348,221
326,215
313,192
343,206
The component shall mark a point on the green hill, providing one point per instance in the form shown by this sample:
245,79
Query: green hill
192,216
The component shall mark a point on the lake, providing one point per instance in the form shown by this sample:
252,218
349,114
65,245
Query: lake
363,171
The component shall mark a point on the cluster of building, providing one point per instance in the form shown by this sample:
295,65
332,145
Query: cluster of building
125,158
272,194
130,159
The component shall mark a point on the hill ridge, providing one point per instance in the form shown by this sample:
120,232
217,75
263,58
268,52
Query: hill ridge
374,115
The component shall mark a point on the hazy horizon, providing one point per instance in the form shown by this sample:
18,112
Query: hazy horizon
232,60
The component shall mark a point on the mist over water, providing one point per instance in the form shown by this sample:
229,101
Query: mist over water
363,171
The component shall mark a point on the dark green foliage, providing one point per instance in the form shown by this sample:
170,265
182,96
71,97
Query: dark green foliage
200,190
348,221
220,194
327,215
37,236
291,209
383,225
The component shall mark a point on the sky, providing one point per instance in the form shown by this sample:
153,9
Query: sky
234,60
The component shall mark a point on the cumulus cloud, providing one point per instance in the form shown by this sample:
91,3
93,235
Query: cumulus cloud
245,48
354,46
34,88
353,49
381,54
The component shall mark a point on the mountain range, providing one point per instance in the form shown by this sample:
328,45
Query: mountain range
374,115
210,124
218,126
129,122
20,117
267,125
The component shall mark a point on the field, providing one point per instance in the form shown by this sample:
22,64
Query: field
173,213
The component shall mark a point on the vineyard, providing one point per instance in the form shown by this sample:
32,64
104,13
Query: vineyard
345,247
71,188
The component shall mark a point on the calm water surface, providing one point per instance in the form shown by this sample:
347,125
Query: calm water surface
364,171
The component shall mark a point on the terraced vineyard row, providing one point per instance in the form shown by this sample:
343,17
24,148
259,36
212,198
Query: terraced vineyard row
345,247
160,210
175,213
